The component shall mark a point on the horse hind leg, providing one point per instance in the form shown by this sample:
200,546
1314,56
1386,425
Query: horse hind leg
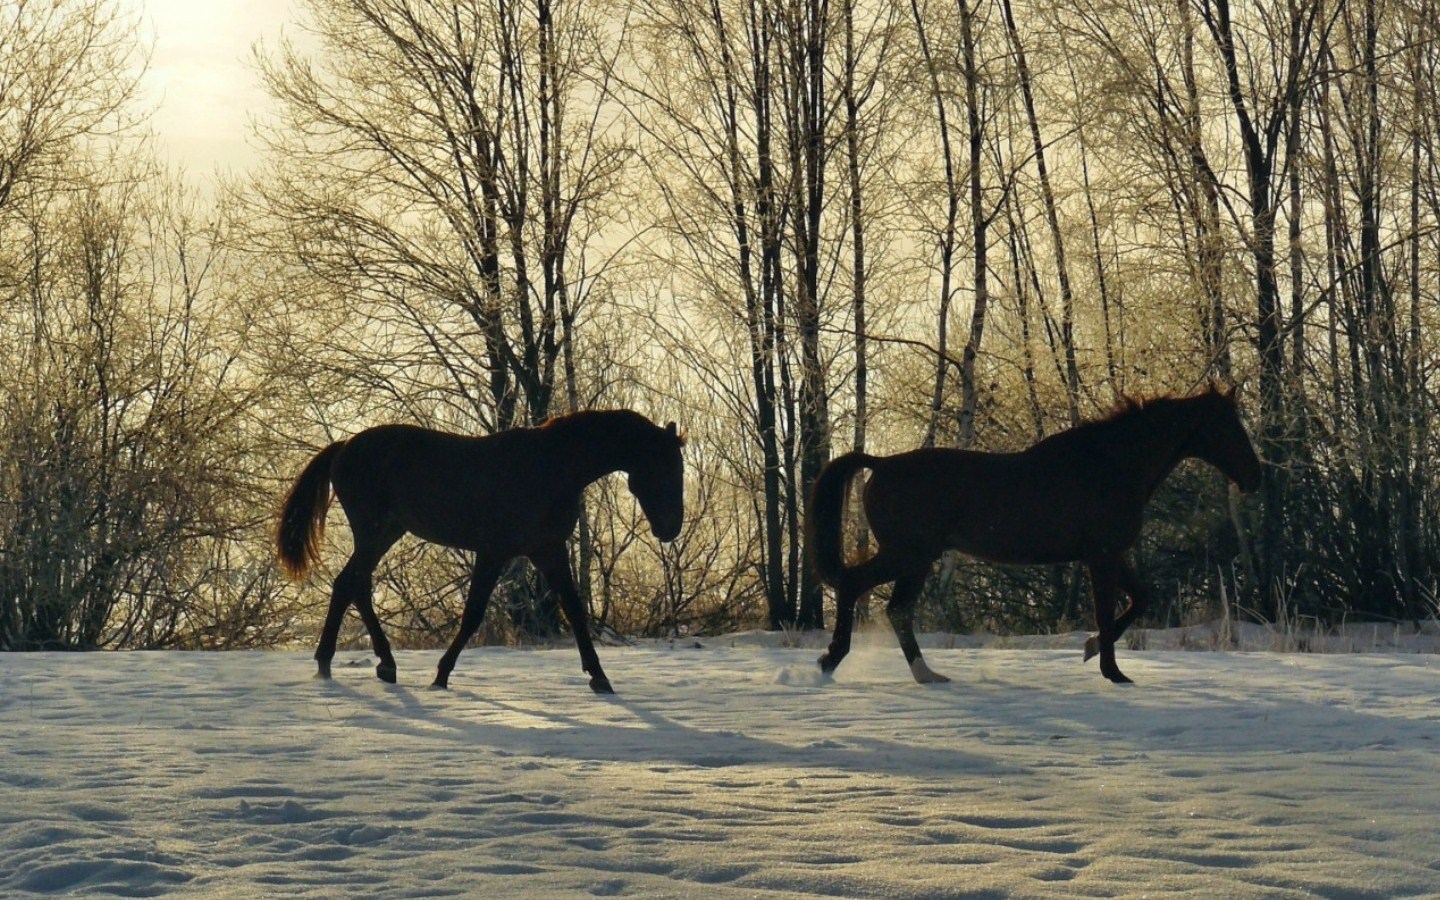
901,612
853,584
365,605
846,597
340,594
354,586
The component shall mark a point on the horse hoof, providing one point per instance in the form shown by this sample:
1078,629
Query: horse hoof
1118,677
1092,647
601,685
925,675
826,666
441,683
385,672
323,672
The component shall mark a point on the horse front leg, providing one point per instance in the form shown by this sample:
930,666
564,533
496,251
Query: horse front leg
1135,589
352,586
1105,583
554,564
330,633
482,583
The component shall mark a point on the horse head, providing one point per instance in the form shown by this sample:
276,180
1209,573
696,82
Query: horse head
1221,439
657,479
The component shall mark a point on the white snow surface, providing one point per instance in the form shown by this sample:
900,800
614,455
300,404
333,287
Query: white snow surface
724,770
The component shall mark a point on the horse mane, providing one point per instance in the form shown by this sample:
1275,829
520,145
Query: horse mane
588,416
1130,406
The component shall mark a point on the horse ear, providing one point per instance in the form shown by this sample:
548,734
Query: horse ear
670,427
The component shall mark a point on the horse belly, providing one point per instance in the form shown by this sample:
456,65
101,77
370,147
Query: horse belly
492,526
1017,533
1002,508
460,537
1012,549
465,517
1060,536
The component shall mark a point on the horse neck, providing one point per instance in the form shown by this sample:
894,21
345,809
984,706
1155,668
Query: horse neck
1154,441
596,444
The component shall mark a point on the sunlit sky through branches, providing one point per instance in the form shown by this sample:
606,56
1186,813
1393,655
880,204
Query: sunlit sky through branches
201,84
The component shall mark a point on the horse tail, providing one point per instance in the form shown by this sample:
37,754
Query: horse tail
825,516
302,515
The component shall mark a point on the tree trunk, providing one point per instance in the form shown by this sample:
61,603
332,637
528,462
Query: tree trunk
979,229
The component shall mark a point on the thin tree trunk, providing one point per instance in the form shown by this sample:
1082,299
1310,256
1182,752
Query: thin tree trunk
814,437
979,228
947,235
758,292
858,271
1414,475
1210,249
1052,218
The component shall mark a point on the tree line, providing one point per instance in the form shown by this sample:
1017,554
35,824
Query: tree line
797,227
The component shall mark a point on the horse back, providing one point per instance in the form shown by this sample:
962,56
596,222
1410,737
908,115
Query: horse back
1022,507
457,490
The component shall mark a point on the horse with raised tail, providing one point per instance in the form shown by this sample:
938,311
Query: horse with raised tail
1076,495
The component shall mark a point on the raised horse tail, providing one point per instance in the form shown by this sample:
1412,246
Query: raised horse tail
825,517
302,515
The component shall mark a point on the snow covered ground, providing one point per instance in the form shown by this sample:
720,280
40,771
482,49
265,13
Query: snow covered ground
725,771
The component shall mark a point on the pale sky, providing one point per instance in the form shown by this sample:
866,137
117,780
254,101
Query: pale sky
201,83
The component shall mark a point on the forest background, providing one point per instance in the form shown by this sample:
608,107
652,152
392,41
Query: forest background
796,227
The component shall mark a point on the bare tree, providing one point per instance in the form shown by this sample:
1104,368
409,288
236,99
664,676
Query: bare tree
128,519
442,166
68,71
1265,94
1052,216
947,234
736,100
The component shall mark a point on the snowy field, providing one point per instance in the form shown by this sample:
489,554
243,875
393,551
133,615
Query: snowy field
727,770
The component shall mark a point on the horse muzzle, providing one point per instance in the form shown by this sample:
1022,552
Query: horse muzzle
665,532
